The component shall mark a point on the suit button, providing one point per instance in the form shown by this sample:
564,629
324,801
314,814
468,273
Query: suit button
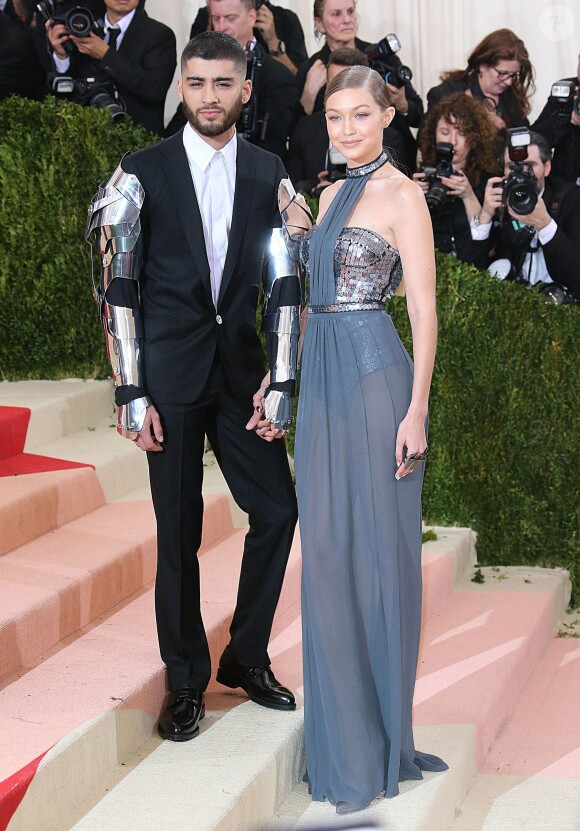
218,319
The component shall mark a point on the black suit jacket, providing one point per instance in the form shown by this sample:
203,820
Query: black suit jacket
183,329
562,253
20,70
564,138
142,69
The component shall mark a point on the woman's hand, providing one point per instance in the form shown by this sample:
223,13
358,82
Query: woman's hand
411,434
421,180
458,185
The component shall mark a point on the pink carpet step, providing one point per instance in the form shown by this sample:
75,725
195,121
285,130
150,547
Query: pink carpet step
115,665
52,587
476,656
33,505
542,736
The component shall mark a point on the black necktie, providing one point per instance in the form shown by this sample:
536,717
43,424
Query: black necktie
114,33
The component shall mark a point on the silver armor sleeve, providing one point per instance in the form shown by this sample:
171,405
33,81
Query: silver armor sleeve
283,295
114,228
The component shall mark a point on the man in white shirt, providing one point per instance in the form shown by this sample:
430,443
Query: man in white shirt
207,203
541,247
136,54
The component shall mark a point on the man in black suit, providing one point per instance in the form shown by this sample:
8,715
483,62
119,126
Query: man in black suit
277,29
20,70
563,135
541,248
137,54
199,209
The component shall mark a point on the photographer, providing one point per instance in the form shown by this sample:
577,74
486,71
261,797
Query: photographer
277,30
312,162
529,227
559,123
337,21
20,70
499,74
133,52
266,118
457,143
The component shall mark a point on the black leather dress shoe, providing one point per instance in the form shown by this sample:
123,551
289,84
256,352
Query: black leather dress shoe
179,721
258,683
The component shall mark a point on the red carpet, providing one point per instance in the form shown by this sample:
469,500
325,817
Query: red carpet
13,790
13,462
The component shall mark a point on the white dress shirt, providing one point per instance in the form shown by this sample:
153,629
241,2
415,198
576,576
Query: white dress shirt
62,64
214,179
534,267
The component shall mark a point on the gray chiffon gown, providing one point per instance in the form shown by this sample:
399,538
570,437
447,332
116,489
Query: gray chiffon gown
360,528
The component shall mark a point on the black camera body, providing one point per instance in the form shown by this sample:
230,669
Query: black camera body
436,196
90,92
79,21
379,55
520,187
566,96
250,126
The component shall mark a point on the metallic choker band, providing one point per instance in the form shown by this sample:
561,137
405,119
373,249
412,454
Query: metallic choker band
365,169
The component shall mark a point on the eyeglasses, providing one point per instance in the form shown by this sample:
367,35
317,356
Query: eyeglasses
504,75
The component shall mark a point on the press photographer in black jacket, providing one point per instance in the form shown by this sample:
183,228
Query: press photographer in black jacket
540,247
136,54
562,129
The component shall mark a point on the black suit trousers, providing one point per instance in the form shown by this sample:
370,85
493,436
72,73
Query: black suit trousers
259,479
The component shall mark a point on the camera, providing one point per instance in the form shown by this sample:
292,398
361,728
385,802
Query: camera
79,21
379,56
436,196
520,188
250,126
89,92
336,165
567,100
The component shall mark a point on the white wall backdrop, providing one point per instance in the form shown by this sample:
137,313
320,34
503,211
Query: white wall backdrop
435,34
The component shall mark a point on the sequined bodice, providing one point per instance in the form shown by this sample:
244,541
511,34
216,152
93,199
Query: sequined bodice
366,268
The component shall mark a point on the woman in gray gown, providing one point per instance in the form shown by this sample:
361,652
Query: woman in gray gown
360,438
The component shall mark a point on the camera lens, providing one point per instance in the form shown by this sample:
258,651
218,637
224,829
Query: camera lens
80,22
522,198
105,101
436,197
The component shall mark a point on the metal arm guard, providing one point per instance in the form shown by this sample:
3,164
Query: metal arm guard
283,284
115,227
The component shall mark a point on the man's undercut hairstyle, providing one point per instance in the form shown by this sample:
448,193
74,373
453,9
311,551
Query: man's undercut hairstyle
345,56
215,46
360,77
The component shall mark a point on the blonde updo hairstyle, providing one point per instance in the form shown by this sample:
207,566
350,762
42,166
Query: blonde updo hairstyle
360,77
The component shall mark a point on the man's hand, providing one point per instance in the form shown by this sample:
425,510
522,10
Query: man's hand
398,98
491,200
92,45
266,27
575,119
150,437
57,34
539,217
315,80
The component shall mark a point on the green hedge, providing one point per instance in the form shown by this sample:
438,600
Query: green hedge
506,388
52,157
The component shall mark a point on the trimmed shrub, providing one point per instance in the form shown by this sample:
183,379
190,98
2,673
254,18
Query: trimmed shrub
52,157
506,387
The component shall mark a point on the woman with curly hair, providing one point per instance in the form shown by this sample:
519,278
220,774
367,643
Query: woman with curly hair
498,73
462,123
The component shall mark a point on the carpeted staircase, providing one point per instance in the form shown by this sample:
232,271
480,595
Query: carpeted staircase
81,682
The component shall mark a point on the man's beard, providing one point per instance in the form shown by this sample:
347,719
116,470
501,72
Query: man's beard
221,125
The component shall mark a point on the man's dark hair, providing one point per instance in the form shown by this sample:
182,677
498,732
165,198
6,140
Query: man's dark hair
345,56
215,46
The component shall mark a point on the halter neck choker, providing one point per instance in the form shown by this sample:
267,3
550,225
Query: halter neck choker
365,169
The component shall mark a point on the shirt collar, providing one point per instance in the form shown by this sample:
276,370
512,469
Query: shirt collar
199,151
122,24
